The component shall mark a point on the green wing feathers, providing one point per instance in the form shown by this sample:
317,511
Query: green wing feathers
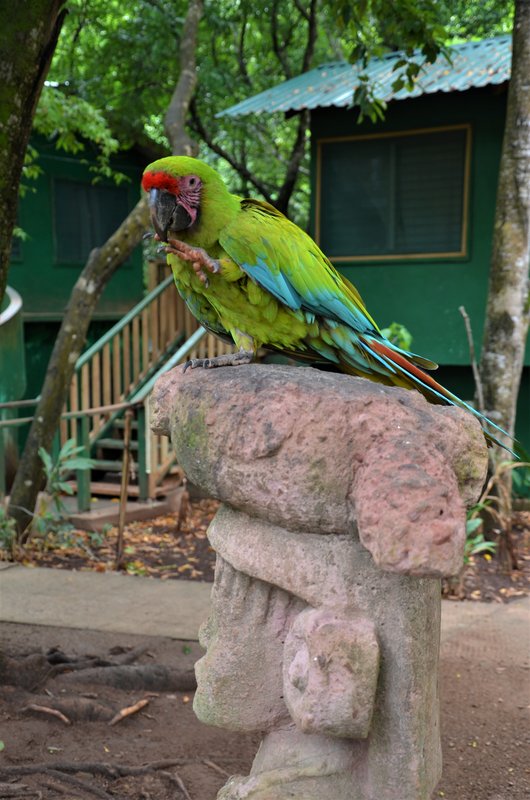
287,263
274,287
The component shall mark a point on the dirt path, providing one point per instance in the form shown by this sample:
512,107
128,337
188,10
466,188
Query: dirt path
484,697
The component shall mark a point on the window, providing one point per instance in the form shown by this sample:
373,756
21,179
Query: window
84,217
393,196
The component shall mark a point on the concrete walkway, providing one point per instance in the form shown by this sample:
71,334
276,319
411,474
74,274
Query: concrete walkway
145,606
102,601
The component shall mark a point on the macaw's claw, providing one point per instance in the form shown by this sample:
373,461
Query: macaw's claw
197,257
228,360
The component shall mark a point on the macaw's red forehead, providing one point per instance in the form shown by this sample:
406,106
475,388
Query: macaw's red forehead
160,180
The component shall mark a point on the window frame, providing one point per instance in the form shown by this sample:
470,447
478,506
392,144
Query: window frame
56,178
463,253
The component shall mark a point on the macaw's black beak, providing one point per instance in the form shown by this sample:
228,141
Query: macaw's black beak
166,213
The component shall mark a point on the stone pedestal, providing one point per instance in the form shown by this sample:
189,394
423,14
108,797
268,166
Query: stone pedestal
344,505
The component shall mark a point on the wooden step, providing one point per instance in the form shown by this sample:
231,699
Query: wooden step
120,423
114,444
110,489
107,465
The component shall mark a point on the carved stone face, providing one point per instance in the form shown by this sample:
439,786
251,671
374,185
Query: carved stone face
239,679
331,664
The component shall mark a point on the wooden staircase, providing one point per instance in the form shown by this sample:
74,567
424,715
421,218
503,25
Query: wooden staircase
113,378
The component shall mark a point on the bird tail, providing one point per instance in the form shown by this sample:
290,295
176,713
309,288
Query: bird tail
410,375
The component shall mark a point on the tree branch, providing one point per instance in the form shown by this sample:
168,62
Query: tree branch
240,168
101,265
175,118
303,11
241,52
298,149
311,18
293,166
279,50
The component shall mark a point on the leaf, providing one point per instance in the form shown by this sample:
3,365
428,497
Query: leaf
484,547
68,448
46,460
473,525
78,463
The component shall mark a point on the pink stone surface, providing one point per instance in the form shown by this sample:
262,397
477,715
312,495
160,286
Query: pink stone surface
318,452
330,671
310,642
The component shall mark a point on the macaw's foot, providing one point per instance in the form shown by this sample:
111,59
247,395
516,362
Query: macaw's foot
228,360
197,257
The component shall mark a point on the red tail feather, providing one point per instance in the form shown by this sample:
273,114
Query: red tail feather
405,364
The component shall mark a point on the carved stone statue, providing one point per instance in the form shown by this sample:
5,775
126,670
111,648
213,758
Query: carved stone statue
344,505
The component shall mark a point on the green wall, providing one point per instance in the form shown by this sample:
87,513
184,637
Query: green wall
44,283
424,295
39,341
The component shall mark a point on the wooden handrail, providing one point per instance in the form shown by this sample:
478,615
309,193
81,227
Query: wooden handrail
20,403
125,320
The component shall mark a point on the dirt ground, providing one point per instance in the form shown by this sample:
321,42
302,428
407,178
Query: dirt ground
485,734
162,751
165,732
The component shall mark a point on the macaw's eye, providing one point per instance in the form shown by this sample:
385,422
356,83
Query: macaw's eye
193,181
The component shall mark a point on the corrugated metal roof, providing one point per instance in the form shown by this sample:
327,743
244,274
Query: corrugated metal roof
474,64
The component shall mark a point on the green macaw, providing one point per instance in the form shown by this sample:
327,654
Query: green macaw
254,278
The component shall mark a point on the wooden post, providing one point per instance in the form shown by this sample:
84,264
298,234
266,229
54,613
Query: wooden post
124,486
143,478
83,475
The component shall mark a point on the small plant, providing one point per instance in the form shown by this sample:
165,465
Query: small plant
51,514
521,477
475,541
398,335
8,533
495,501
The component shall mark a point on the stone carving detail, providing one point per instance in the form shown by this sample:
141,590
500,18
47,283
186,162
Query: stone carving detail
344,505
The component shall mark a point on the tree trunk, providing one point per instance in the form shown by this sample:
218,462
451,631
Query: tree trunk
29,37
508,310
101,265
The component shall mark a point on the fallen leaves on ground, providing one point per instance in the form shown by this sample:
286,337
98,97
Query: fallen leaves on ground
155,547
487,579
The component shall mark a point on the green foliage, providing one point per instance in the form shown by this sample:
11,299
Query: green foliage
475,541
398,335
30,171
70,121
62,535
521,476
495,503
478,20
373,28
116,66
51,514
8,534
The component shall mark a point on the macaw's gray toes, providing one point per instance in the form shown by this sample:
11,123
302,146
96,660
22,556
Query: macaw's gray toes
228,360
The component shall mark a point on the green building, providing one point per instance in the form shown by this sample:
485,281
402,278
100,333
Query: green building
65,214
405,207
134,335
